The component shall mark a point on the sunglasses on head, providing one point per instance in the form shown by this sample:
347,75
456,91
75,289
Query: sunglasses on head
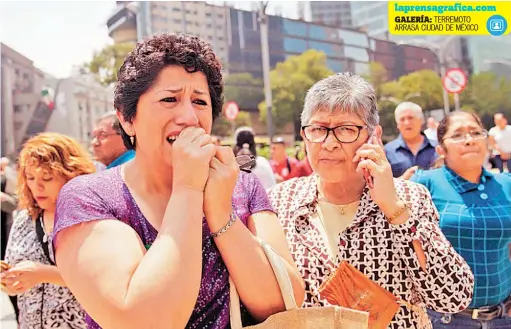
246,162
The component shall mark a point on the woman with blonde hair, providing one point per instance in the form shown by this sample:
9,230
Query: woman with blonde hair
46,162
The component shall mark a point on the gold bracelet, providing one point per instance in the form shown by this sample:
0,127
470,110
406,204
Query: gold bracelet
398,212
226,227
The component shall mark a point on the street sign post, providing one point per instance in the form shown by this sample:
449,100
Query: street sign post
231,110
455,81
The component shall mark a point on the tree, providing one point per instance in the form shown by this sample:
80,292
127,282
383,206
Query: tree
106,63
224,127
487,94
377,76
290,81
244,89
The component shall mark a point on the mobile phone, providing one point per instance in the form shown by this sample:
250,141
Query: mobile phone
367,175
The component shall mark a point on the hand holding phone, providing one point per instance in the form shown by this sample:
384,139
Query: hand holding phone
367,175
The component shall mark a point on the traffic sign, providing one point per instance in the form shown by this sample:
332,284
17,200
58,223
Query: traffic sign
455,81
231,110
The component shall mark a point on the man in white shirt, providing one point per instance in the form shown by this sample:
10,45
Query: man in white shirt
500,142
430,132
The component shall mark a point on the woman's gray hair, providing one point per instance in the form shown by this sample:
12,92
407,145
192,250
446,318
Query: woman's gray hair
345,92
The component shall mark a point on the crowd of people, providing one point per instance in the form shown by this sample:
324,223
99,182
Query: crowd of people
162,224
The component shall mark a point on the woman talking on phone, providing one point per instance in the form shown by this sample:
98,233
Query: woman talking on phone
353,209
152,243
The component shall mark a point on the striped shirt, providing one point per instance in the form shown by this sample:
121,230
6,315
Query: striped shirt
476,219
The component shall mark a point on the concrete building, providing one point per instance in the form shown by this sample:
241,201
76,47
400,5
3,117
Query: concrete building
80,101
371,16
401,59
23,110
135,20
335,13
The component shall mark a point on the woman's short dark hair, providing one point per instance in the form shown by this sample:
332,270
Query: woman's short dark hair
143,65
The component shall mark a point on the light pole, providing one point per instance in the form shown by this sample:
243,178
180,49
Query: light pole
439,51
263,27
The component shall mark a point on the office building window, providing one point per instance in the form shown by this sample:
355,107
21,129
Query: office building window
317,32
324,47
358,54
361,68
292,45
353,38
334,65
295,28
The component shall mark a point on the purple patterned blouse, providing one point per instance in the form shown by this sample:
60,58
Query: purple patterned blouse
104,195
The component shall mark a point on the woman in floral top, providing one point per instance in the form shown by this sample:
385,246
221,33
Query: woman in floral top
388,231
46,163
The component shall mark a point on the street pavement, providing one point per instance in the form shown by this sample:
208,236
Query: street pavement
7,319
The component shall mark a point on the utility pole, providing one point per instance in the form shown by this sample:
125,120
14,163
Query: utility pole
263,27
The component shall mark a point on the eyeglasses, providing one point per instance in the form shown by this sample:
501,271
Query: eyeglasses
460,137
101,135
344,133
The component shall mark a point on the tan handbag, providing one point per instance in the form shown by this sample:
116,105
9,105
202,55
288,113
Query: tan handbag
328,317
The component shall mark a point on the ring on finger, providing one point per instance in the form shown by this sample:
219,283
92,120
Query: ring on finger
377,159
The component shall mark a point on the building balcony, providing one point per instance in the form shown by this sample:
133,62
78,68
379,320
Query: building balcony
122,25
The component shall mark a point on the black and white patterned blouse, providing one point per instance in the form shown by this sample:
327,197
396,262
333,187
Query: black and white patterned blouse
46,305
383,252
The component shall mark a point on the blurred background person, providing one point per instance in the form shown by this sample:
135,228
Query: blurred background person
430,131
46,162
107,144
500,142
245,145
8,206
411,149
284,167
475,216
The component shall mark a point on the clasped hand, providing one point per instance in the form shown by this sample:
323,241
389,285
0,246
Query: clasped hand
201,166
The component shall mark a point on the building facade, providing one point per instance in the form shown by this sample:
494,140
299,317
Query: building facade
80,102
334,13
400,59
23,110
346,49
135,20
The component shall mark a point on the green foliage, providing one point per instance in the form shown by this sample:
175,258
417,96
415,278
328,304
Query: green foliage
487,94
244,89
224,127
106,63
290,81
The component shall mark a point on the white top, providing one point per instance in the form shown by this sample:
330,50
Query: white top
264,172
502,138
431,134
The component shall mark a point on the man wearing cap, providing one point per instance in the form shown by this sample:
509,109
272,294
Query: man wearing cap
284,167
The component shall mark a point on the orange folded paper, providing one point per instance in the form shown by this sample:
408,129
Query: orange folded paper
350,288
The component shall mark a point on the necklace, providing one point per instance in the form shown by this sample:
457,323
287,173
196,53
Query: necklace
341,207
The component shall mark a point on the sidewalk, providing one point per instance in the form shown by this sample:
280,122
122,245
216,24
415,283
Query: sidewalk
7,315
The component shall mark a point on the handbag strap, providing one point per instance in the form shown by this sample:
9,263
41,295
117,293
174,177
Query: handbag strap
40,236
285,285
